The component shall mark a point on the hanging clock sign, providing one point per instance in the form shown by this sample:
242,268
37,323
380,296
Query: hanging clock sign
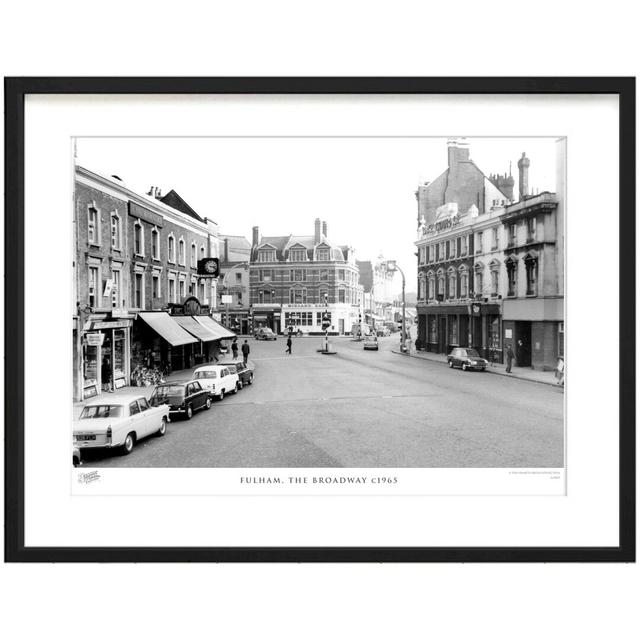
209,267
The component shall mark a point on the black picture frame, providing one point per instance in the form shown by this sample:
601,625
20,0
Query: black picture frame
15,91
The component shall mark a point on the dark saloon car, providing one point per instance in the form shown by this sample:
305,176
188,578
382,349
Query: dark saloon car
245,372
183,398
466,359
265,333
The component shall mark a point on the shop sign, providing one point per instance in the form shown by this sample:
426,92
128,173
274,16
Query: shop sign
118,312
95,339
507,334
120,382
227,299
117,324
90,391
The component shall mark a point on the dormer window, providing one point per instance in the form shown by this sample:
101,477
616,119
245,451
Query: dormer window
297,255
322,254
267,255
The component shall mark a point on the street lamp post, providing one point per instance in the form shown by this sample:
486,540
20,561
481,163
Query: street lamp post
392,265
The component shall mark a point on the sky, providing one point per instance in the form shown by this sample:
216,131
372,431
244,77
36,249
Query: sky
364,188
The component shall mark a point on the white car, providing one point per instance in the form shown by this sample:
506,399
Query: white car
120,422
217,379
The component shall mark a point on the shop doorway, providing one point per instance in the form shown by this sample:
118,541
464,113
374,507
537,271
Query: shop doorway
523,344
442,334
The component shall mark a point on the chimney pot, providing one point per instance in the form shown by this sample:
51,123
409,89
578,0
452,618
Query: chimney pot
256,236
317,230
324,229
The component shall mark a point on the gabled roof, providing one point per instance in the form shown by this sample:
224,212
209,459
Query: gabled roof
176,201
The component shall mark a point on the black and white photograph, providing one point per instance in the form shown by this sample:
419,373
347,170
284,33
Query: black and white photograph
319,302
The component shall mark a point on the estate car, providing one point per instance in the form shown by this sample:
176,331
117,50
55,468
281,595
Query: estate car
217,379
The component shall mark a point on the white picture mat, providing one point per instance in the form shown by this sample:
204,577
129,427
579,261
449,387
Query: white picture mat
586,516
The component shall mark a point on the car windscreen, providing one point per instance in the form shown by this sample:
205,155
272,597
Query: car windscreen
232,368
101,411
472,353
169,390
205,375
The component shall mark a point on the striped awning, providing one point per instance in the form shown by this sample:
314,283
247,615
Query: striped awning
216,328
164,325
195,328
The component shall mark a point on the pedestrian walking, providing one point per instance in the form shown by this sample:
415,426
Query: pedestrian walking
234,348
288,345
245,351
560,371
510,356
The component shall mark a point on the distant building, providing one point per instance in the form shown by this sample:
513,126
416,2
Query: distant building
493,279
295,279
377,284
235,256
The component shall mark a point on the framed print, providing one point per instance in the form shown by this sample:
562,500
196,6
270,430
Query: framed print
320,319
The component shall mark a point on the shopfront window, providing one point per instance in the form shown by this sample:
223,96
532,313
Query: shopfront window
494,332
433,329
453,329
119,363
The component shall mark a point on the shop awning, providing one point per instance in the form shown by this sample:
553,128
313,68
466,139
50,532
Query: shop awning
215,327
195,328
164,325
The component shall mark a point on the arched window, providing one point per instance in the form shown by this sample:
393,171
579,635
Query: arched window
478,269
181,251
93,225
464,282
421,292
323,295
512,276
138,238
116,235
297,295
494,270
531,269
453,283
155,244
202,256
194,253
171,249
440,282
431,285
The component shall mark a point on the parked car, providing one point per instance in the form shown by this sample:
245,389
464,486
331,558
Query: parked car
371,342
119,423
264,333
217,379
245,372
382,332
182,398
466,358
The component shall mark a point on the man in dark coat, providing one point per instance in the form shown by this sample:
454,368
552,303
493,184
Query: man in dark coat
288,345
245,351
510,356
234,348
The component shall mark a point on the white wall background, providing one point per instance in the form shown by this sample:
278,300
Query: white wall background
332,38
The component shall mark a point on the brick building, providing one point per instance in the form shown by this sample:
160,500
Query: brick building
496,279
295,279
378,299
135,268
235,254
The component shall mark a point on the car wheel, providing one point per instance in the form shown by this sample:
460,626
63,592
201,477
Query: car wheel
189,414
238,387
163,427
221,396
464,366
450,364
240,384
207,404
129,441
251,378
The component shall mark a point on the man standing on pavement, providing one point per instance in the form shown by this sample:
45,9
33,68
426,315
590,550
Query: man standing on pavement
288,345
245,351
510,355
234,348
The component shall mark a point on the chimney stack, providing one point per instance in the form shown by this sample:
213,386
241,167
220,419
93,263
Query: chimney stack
151,191
523,182
316,236
158,193
324,229
457,151
256,236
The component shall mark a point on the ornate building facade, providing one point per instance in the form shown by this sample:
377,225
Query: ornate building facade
295,279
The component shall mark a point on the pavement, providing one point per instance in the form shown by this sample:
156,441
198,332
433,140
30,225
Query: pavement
522,373
360,409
